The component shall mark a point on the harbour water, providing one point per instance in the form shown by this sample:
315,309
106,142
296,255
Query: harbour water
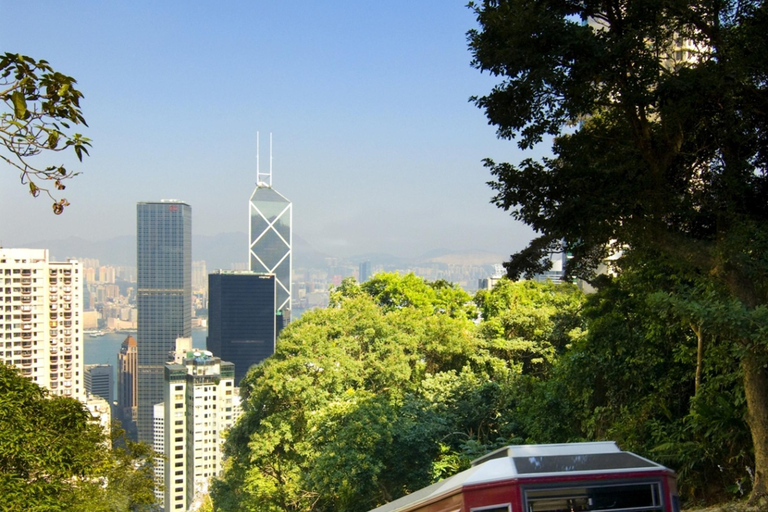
104,349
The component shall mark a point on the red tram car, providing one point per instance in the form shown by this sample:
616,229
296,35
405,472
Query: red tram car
571,477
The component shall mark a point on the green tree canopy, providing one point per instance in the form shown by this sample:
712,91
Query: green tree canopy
40,106
54,457
658,111
362,402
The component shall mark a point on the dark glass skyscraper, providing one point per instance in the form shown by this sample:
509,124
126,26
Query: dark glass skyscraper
242,318
164,296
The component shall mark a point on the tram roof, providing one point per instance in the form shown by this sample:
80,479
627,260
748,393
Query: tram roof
529,461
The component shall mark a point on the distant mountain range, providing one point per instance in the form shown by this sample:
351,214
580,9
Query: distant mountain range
228,250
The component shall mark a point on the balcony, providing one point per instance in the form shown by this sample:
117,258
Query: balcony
26,336
26,300
54,289
54,385
67,280
54,342
26,372
67,375
67,272
26,318
26,344
54,324
54,368
54,307
26,363
26,353
67,289
54,333
26,280
26,272
26,291
54,298
67,298
26,327
26,309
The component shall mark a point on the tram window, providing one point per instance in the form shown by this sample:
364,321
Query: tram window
630,497
492,508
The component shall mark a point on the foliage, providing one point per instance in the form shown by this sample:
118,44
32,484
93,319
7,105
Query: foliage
658,113
374,397
53,457
40,104
530,323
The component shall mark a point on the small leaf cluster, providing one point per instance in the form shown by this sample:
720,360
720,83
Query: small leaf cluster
41,106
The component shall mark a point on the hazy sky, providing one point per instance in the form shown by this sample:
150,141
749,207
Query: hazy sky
374,139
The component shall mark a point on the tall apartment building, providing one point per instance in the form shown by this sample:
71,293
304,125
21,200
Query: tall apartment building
200,404
243,323
164,296
41,312
158,444
270,231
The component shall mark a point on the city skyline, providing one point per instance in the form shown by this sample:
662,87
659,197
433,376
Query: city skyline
368,106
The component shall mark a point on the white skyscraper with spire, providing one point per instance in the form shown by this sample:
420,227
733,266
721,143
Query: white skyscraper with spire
270,230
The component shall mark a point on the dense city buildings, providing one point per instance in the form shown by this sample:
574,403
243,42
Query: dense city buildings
127,385
200,403
41,309
242,320
270,231
164,296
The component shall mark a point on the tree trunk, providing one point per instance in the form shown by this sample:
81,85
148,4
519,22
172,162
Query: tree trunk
756,390
699,354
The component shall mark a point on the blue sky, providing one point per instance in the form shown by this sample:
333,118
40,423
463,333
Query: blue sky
374,139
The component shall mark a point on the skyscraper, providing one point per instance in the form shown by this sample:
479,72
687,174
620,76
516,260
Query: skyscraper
41,315
242,320
164,296
99,381
127,386
271,235
365,272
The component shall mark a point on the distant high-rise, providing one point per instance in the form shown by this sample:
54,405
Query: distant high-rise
164,296
41,329
99,381
127,385
365,271
242,320
271,235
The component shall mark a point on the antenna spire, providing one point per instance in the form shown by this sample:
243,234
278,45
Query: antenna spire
267,176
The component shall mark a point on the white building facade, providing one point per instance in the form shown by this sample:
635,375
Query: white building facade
41,311
201,403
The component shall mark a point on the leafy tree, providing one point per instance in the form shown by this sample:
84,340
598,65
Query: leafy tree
530,323
658,112
364,401
53,457
40,105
